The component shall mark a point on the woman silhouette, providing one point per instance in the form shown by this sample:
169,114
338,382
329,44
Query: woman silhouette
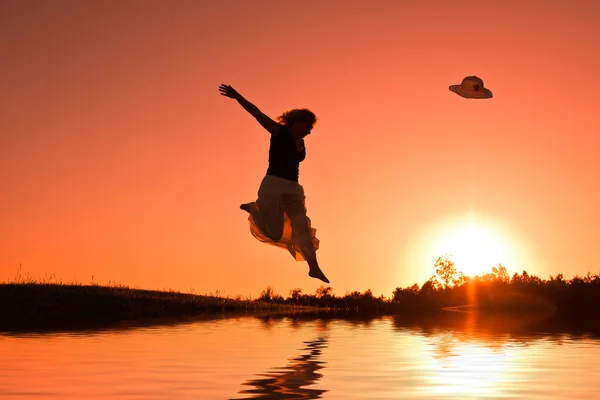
278,216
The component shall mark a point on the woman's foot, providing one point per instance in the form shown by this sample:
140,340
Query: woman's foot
316,272
249,207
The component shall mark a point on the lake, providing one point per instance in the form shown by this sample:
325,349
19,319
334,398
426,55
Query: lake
448,355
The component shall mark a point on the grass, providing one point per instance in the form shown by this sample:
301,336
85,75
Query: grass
27,305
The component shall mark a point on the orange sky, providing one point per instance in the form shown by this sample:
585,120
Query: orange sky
120,160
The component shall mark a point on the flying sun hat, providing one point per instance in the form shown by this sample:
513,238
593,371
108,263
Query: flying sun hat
471,88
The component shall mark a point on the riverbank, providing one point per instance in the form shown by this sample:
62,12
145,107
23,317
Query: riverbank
33,306
30,306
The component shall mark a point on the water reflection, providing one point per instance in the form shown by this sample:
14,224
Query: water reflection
433,356
472,354
291,381
494,329
319,321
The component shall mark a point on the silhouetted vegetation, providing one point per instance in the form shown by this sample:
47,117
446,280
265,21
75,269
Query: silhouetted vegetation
51,305
29,304
450,289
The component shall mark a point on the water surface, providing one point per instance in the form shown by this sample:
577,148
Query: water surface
460,356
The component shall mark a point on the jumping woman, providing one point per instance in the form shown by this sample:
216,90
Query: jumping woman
278,217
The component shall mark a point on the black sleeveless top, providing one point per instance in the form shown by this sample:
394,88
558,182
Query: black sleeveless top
284,157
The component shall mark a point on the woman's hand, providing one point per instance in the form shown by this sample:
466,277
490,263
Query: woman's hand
228,91
266,122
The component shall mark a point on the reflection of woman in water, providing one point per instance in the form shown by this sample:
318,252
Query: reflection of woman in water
294,380
278,216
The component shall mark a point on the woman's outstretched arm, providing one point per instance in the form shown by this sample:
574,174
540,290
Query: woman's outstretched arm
267,123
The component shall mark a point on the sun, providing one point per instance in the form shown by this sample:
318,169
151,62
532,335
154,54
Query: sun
473,247
475,242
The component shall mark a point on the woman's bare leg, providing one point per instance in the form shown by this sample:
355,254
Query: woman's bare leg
301,230
314,271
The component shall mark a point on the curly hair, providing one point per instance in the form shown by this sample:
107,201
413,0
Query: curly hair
290,117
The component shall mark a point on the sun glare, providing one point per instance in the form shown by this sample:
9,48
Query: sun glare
474,248
474,242
472,370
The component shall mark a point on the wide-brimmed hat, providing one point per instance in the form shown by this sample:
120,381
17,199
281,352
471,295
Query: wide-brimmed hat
471,88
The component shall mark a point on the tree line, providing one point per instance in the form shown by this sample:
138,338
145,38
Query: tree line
494,291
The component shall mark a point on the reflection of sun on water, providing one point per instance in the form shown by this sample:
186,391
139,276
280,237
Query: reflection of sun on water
471,370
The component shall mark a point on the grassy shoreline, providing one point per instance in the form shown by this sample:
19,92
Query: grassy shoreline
25,306
28,306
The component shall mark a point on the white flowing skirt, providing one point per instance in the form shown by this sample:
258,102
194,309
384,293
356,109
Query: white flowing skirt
278,217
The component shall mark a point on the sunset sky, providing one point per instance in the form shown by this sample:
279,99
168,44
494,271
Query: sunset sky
120,161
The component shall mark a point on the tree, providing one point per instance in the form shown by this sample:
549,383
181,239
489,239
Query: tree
396,295
295,294
355,295
368,294
500,273
445,269
323,292
431,285
268,294
459,279
408,292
